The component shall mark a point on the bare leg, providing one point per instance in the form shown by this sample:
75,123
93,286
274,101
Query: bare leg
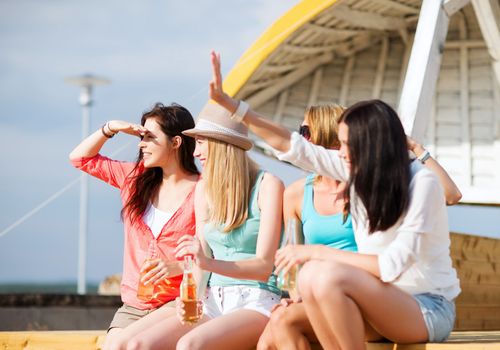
162,335
111,340
345,297
266,340
291,327
117,338
237,330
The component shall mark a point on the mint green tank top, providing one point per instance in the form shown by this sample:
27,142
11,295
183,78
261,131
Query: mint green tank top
239,244
329,230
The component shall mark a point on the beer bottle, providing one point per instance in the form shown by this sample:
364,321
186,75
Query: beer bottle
145,292
188,292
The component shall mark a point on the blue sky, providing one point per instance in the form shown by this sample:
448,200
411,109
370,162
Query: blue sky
151,51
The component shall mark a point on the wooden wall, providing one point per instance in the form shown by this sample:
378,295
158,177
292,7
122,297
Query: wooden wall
464,129
477,260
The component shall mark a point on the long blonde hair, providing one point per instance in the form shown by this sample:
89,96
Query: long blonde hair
324,125
229,175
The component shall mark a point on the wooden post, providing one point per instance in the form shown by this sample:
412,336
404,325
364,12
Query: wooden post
423,68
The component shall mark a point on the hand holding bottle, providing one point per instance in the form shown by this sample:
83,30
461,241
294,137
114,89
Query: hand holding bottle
153,271
190,245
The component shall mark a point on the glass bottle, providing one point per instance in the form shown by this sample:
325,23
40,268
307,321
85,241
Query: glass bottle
288,281
188,292
145,291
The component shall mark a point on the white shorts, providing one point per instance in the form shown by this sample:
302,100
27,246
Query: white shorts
220,301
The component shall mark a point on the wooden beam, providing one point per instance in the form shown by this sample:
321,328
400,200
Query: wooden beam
496,126
488,17
452,6
404,66
379,76
398,6
464,105
309,50
334,32
423,68
368,20
282,100
280,68
316,84
430,141
265,95
346,81
470,44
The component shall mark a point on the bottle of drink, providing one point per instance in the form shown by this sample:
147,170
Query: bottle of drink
188,292
288,281
145,291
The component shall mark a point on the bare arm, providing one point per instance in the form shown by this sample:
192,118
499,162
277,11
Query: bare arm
292,206
260,267
451,192
274,134
91,146
299,254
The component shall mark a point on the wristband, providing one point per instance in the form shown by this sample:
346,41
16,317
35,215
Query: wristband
424,156
105,133
240,112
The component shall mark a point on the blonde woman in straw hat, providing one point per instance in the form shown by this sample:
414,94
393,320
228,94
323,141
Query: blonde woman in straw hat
239,216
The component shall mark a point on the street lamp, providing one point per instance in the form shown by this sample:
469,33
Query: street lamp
86,82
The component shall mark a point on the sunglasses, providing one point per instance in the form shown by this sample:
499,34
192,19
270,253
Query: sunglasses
305,131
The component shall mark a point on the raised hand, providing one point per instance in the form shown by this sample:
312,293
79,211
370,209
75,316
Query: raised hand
126,127
215,90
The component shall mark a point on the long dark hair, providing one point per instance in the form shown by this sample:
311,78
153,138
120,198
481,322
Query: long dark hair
380,163
173,120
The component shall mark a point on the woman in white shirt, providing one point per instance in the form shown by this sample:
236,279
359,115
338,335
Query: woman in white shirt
401,285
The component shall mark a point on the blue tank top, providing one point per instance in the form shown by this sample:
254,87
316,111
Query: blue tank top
329,230
239,244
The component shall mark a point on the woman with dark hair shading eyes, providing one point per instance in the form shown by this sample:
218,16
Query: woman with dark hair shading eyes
158,193
401,284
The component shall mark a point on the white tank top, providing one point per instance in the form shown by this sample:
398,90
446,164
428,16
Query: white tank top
156,219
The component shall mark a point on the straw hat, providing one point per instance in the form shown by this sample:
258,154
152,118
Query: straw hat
214,121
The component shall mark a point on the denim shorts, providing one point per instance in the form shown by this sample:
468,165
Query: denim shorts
439,315
220,301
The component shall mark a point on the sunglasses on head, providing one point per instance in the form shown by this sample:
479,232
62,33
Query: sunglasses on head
305,131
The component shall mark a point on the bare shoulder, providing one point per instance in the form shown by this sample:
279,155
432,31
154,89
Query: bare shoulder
271,182
295,190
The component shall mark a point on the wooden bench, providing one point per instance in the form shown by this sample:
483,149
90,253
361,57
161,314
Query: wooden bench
477,326
93,340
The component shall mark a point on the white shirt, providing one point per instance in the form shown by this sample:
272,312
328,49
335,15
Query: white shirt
156,219
414,254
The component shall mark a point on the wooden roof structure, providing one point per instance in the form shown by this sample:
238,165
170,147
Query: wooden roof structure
436,61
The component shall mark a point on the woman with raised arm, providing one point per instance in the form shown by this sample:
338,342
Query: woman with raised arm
157,192
401,285
316,203
239,216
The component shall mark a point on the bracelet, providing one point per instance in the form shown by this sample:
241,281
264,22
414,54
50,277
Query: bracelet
104,132
424,156
240,112
109,129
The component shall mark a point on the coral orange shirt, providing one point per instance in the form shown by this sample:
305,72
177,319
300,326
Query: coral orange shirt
138,235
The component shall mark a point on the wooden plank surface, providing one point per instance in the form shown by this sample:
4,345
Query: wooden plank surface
93,340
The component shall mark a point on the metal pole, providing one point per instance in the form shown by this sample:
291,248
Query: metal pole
86,82
85,101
